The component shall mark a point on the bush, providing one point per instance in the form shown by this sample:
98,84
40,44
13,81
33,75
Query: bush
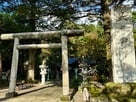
121,92
75,83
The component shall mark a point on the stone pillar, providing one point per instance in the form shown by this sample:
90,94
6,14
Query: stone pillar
123,53
65,71
14,66
31,66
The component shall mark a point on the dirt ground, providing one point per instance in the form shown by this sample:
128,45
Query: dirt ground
39,93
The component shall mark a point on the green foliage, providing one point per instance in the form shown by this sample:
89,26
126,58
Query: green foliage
134,28
120,92
75,83
88,28
134,16
7,23
100,30
95,91
55,56
65,98
4,84
134,20
10,23
93,47
70,25
90,47
30,81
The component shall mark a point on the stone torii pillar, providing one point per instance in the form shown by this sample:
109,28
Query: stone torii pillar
14,66
65,71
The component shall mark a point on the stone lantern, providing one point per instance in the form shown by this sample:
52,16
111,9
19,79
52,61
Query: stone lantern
43,72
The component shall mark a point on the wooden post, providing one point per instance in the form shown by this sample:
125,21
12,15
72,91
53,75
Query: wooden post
65,71
13,74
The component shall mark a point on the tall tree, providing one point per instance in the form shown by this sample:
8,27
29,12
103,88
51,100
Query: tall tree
0,64
0,51
105,7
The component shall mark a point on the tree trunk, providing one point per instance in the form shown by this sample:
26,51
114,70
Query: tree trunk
107,29
0,67
32,23
0,64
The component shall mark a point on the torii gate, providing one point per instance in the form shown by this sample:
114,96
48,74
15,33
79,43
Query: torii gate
64,34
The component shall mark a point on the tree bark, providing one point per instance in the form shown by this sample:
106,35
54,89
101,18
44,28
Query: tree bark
107,29
0,64
0,67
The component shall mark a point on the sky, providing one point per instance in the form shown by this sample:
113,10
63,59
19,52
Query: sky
129,2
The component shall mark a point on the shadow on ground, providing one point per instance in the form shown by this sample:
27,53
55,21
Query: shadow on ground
26,91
